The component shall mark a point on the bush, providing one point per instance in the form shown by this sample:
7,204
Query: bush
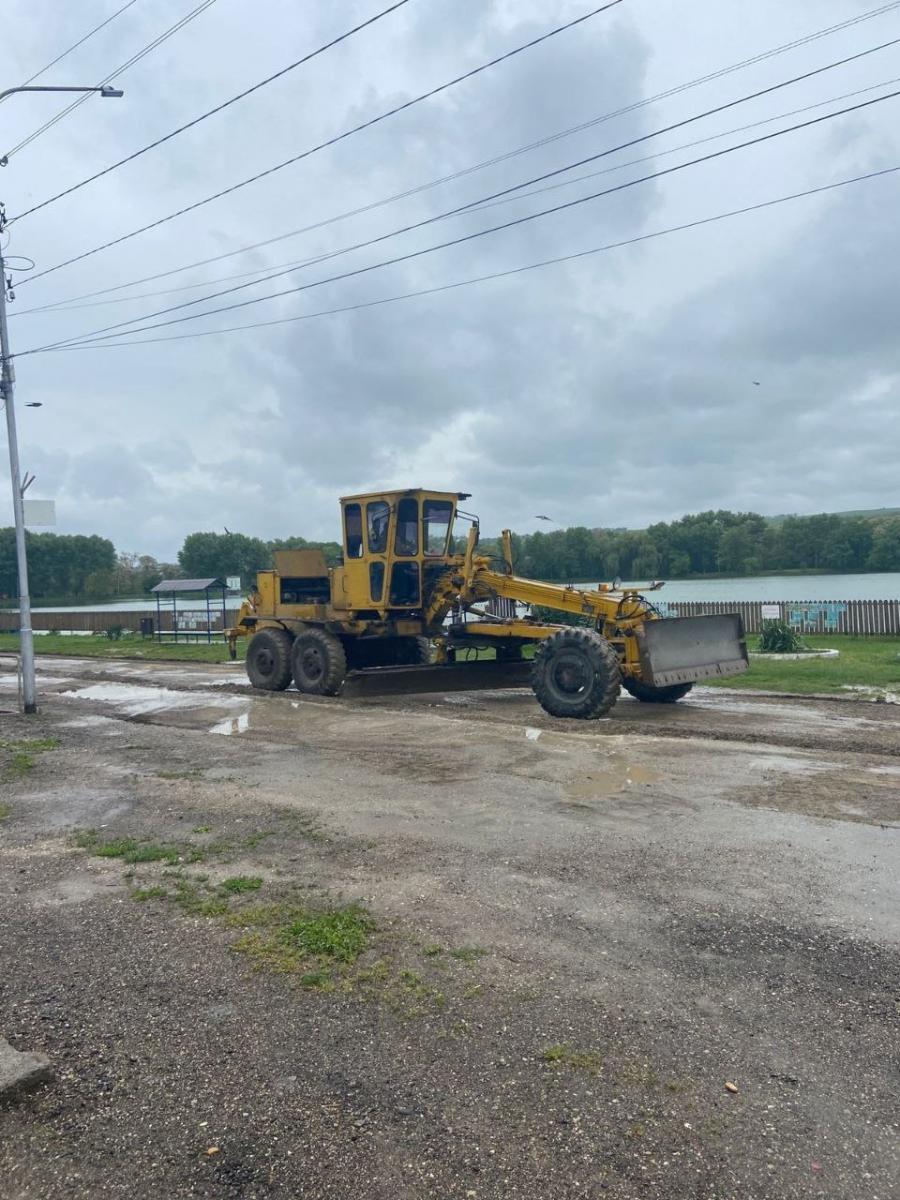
778,637
114,632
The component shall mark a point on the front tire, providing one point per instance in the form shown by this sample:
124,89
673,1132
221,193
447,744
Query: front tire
576,674
655,695
318,662
269,660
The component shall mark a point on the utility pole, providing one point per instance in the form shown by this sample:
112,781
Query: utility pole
7,389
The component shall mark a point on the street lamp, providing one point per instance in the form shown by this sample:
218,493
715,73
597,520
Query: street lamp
7,388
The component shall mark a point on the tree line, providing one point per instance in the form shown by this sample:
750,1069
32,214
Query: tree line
710,543
77,567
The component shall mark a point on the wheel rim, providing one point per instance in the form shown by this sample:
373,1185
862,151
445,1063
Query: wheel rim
570,675
265,661
311,664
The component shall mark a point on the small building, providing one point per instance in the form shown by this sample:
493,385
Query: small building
195,606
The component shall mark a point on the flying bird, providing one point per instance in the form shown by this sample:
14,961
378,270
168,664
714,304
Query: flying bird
755,382
541,517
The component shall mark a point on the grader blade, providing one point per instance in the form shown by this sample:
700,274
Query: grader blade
448,677
685,649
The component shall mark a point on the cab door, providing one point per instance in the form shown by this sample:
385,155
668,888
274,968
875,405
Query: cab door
378,531
364,581
404,586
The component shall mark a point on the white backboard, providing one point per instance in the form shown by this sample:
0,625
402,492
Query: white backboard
40,512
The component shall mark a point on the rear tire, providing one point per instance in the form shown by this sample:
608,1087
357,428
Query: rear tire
318,662
655,695
576,674
269,660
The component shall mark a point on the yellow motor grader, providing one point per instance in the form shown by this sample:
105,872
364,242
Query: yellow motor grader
400,611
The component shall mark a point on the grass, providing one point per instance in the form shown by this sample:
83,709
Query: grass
468,954
327,948
149,893
864,662
241,883
100,646
18,756
562,1055
5,811
294,939
132,850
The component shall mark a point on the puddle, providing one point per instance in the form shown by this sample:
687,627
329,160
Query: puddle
10,682
615,774
232,725
107,725
134,700
532,734
872,693
797,714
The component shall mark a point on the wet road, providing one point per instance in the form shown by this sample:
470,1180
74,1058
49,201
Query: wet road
217,697
682,895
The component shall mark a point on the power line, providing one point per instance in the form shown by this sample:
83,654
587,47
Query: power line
158,41
663,95
465,238
330,141
213,111
507,193
644,237
75,46
633,162
477,206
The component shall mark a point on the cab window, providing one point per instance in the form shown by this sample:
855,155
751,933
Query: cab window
405,584
353,530
376,581
436,518
377,516
406,540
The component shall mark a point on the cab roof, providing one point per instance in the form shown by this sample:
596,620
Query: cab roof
399,493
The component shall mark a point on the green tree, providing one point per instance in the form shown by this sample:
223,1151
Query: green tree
884,554
331,550
215,555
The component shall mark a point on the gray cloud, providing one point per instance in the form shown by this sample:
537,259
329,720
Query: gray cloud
614,390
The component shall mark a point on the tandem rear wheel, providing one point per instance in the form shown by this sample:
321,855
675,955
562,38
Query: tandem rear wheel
318,663
269,660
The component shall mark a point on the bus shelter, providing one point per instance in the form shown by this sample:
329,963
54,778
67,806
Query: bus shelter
195,605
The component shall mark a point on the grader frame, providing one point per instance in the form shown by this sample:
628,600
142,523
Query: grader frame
396,613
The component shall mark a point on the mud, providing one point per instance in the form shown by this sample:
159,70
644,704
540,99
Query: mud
679,896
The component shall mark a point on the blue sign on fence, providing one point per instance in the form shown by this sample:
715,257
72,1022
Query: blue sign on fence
830,614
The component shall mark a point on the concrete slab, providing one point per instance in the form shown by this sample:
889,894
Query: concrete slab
21,1071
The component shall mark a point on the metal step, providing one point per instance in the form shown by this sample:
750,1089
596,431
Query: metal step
448,677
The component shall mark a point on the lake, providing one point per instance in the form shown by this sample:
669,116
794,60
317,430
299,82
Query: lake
883,586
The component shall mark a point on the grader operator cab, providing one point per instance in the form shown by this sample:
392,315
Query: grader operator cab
394,616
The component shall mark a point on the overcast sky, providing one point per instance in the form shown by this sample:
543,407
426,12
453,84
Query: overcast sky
616,390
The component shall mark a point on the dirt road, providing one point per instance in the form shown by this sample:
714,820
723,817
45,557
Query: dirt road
571,937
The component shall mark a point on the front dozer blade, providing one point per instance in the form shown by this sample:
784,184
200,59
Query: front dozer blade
685,649
446,677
